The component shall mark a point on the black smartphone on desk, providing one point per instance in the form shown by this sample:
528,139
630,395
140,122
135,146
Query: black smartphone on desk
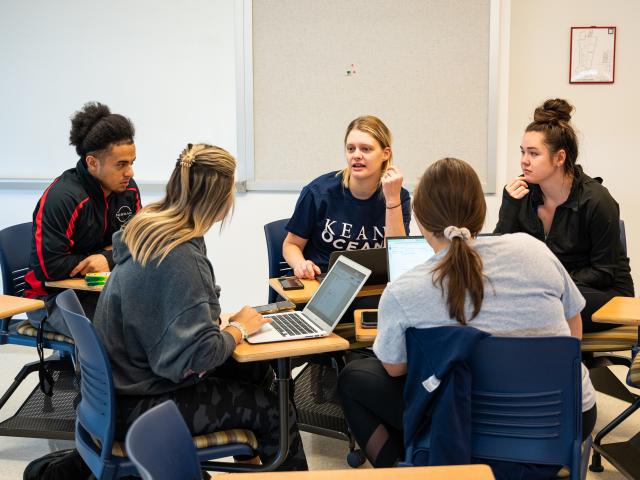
369,319
275,307
290,283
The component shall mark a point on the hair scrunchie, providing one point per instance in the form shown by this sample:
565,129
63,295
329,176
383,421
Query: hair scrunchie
452,232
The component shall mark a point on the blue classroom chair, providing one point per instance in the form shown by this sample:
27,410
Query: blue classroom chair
275,234
15,249
526,403
95,422
159,443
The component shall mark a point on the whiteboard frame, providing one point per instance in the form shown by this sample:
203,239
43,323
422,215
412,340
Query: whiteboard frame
246,157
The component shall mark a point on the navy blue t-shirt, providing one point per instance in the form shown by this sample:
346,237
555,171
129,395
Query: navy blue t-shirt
330,218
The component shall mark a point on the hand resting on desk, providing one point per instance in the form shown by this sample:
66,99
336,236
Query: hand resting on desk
91,264
306,269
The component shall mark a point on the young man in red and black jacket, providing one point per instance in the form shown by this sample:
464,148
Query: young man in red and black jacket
78,213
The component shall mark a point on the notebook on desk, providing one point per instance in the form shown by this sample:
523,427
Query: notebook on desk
320,316
404,253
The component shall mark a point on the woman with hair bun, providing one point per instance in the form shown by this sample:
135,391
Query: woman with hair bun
479,282
556,202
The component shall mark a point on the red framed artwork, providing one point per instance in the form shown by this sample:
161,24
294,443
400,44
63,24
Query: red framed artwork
593,55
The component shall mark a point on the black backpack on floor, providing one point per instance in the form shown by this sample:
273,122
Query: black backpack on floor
60,465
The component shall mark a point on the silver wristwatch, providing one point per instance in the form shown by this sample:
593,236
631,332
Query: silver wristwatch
241,329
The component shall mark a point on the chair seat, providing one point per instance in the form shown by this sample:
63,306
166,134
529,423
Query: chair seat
616,339
214,439
25,328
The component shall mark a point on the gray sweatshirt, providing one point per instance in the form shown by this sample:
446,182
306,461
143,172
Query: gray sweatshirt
159,324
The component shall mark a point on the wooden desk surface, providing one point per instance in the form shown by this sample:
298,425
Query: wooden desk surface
245,352
74,283
364,334
10,305
310,286
458,472
621,310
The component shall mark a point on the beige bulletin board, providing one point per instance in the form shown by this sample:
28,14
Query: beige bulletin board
425,67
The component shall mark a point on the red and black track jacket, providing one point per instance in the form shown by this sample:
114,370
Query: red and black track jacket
72,220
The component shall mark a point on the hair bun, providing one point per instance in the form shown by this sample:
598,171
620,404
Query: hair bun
83,121
553,111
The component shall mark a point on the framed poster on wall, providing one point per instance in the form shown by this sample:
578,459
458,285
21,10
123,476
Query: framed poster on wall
593,55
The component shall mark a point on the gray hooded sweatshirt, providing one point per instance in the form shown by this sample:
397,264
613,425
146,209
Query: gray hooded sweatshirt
159,323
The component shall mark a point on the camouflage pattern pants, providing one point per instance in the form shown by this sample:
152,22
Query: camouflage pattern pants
235,395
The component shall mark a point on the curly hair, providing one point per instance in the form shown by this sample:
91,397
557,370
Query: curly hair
95,128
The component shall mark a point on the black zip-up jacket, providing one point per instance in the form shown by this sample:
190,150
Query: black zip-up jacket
584,233
73,220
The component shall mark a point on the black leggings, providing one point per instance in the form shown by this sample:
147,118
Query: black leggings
373,406
230,397
596,299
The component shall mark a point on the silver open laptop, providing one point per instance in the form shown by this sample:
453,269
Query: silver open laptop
324,310
404,253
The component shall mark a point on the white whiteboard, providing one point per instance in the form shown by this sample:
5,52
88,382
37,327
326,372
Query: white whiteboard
425,67
169,66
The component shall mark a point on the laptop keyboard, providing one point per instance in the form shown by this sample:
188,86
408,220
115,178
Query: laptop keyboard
290,324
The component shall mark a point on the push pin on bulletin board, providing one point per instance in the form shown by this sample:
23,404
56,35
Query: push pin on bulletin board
351,70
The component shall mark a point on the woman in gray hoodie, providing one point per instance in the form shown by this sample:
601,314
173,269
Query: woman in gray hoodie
159,315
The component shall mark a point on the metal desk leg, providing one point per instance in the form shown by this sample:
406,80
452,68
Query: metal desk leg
283,377
624,456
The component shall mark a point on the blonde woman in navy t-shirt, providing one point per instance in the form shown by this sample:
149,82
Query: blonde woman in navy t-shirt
352,209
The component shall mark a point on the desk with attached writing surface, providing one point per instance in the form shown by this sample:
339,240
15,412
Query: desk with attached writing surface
624,456
458,472
75,284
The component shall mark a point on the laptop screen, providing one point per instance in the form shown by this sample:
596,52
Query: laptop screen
375,259
404,253
336,292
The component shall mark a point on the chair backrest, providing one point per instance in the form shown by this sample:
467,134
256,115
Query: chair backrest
15,249
275,234
161,447
95,421
527,400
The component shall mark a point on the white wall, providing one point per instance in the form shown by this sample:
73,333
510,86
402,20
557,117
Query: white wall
533,66
606,116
